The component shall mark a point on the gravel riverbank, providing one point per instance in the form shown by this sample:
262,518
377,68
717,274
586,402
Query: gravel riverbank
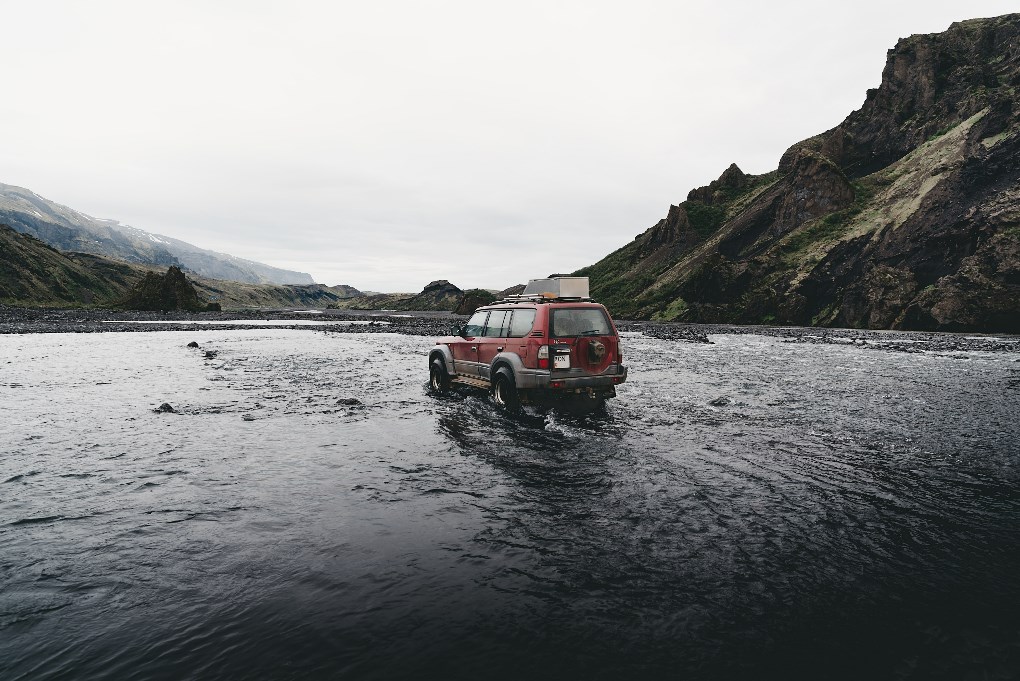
40,320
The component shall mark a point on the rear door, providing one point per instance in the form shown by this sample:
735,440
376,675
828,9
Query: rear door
588,333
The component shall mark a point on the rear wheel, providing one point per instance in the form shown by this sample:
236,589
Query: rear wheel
439,379
504,393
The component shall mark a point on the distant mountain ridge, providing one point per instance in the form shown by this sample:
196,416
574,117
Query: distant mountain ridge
904,216
33,273
70,230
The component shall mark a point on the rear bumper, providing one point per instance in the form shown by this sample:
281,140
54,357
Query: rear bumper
570,381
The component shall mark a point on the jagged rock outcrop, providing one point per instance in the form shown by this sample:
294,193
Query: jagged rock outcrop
164,293
906,215
733,180
437,295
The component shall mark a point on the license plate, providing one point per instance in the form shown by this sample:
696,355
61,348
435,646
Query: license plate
561,361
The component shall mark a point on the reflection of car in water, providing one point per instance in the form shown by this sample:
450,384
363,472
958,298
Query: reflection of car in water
549,345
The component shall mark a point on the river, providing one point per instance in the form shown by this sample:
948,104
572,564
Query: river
750,508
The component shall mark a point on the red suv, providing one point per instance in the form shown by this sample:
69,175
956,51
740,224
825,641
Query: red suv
547,345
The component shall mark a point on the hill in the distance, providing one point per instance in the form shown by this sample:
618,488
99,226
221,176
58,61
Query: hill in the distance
73,231
904,216
33,273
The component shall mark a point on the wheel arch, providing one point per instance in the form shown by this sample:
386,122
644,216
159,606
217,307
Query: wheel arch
443,353
507,360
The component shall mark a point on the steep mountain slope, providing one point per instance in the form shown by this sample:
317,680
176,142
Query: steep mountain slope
906,215
32,272
70,230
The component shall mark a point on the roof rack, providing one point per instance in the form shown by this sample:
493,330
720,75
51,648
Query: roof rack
544,298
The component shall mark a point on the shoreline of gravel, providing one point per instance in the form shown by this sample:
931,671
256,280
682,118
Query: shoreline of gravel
44,320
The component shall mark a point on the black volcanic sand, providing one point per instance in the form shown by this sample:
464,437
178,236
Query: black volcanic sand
42,320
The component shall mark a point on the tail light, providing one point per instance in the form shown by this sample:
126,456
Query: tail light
543,357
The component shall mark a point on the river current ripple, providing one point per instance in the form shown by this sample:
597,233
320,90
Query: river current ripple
746,509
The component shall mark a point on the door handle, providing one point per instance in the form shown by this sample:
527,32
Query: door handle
474,349
499,349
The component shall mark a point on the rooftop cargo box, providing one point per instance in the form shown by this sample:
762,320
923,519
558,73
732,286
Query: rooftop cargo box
558,287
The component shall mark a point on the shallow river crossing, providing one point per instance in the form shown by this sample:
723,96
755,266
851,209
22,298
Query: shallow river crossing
749,508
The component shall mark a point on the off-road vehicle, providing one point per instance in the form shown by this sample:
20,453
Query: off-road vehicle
548,345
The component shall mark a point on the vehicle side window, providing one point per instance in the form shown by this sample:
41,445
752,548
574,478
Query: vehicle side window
522,322
476,324
496,326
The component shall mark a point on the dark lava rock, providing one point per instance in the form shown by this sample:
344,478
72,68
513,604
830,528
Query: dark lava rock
350,401
165,408
164,292
677,332
473,300
211,354
193,344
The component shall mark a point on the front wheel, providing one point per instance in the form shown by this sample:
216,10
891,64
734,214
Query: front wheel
504,393
439,380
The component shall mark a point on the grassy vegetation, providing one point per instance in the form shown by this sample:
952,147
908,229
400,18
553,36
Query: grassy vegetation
33,273
705,220
674,311
833,225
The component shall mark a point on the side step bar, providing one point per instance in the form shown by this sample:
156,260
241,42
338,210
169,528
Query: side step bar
471,381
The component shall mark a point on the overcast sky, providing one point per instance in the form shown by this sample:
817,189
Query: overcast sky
387,144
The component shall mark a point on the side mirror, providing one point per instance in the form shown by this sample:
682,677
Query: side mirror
458,330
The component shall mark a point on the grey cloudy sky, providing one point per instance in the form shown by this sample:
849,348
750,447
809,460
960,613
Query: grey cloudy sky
386,144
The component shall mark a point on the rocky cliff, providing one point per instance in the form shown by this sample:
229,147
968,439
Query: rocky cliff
906,215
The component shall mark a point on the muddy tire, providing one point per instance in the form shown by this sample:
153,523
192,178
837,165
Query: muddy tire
504,392
439,379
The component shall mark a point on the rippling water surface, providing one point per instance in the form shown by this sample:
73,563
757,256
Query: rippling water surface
747,509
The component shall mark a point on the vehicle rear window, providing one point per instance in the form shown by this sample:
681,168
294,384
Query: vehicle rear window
580,321
496,326
521,322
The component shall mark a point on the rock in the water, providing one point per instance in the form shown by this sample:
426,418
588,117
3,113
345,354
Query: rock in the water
165,408
193,344
350,401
